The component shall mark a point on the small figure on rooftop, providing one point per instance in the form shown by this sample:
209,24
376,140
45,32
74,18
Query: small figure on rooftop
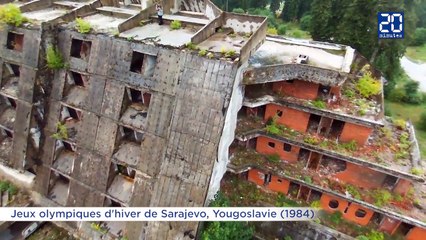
159,13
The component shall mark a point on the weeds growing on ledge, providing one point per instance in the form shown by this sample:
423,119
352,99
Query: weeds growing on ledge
11,14
62,132
54,58
175,25
82,26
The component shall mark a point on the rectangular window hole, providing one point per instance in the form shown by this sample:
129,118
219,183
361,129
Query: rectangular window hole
69,113
137,62
271,144
287,147
15,41
128,134
77,79
80,48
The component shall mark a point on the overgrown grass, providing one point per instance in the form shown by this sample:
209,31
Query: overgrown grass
82,26
412,112
417,53
293,30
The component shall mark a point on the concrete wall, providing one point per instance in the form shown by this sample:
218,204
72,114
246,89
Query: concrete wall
291,118
297,88
263,147
355,132
416,233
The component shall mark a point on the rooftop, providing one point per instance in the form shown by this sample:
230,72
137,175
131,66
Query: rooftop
243,159
390,148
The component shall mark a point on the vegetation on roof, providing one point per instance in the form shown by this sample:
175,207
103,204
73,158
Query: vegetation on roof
175,25
367,86
11,14
82,26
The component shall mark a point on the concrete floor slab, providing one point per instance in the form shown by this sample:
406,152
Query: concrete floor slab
121,188
103,23
135,116
129,153
64,161
10,87
46,14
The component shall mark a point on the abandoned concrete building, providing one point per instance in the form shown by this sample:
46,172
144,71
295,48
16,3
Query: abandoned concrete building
146,115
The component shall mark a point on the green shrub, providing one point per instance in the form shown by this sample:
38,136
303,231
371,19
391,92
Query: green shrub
305,22
397,95
307,179
381,197
336,217
230,53
419,37
283,201
311,140
273,129
274,158
422,122
202,52
54,58
350,146
367,86
416,171
349,93
4,185
82,26
353,191
191,46
375,235
400,123
297,33
282,29
316,204
225,230
11,14
412,94
62,131
238,10
319,104
388,110
12,189
272,31
175,24
210,55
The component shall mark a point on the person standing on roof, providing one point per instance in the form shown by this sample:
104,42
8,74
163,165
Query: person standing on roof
159,14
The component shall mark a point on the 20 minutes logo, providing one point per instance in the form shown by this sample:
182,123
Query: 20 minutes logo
390,25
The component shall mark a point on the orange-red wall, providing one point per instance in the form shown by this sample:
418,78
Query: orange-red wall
256,176
355,132
298,89
416,233
361,176
350,213
263,147
292,118
389,225
279,185
402,187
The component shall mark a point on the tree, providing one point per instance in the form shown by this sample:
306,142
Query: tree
321,27
226,230
275,5
290,10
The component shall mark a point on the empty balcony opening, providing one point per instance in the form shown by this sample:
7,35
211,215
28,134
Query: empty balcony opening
404,228
11,102
268,179
252,143
10,74
323,92
333,204
80,49
287,147
258,90
137,62
336,129
294,189
78,79
108,202
331,165
58,188
120,182
271,144
6,142
15,41
390,182
314,161
134,110
315,196
130,135
65,155
11,70
360,213
303,155
313,123
324,126
304,193
70,114
6,133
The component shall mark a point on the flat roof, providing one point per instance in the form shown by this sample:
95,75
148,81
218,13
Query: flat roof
277,51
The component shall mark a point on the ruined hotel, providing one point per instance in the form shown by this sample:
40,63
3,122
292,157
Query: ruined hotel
149,115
